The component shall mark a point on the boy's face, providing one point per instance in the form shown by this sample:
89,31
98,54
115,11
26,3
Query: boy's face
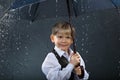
62,39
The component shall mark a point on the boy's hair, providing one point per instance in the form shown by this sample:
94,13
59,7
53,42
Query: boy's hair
64,26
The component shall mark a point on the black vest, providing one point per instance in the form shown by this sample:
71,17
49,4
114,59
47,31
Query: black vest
64,62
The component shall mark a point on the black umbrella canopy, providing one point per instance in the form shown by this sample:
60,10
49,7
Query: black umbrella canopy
22,3
41,9
58,8
17,4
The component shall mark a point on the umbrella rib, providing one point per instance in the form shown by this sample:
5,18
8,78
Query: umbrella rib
116,7
3,15
34,14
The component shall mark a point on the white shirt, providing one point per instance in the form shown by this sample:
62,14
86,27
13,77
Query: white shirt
52,69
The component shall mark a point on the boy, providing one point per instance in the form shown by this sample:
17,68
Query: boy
62,63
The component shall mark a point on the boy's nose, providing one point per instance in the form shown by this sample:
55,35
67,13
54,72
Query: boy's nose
63,40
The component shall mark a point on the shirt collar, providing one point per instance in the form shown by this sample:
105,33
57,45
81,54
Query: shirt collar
61,52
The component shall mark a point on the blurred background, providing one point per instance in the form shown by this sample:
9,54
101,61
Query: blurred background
25,27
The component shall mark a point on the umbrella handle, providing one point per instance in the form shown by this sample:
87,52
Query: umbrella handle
74,44
69,14
69,11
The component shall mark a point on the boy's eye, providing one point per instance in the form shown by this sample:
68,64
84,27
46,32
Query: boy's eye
59,36
68,37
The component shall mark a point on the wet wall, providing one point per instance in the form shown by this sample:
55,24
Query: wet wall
24,44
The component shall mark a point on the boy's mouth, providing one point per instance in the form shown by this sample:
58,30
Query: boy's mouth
64,45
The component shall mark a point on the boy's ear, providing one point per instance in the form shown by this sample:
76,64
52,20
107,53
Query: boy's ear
52,38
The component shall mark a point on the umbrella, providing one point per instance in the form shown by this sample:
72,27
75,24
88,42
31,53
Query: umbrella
21,3
48,10
74,7
78,7
116,3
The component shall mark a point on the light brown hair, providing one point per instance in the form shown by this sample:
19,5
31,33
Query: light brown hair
63,26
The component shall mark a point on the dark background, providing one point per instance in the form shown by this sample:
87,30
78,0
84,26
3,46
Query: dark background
24,44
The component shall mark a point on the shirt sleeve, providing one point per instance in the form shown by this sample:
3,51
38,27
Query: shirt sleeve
52,69
86,75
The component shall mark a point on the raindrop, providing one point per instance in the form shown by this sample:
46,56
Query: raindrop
88,7
19,18
26,47
76,40
25,59
56,16
1,7
20,43
83,26
27,53
6,14
119,39
7,33
119,62
56,10
82,49
3,36
2,31
18,48
82,10
16,43
86,60
86,24
2,61
17,71
82,44
3,44
87,16
28,36
83,18
86,34
86,51
56,1
83,32
118,67
21,64
2,74
86,38
83,39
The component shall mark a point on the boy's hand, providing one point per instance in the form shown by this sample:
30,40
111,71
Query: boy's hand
75,59
78,70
